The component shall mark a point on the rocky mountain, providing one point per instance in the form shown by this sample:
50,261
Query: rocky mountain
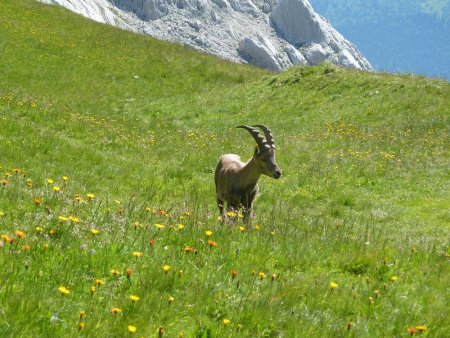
273,34
397,36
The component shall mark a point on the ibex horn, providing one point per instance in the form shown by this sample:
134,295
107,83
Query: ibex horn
268,134
259,139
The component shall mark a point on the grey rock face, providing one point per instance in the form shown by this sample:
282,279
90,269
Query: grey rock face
296,21
315,53
273,34
260,53
295,56
318,41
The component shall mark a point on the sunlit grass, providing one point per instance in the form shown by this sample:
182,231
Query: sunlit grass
108,220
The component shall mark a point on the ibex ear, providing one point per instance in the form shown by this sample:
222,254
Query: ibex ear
256,150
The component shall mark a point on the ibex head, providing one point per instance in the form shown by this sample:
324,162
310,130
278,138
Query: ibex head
264,155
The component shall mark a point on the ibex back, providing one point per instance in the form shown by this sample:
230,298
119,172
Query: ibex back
237,182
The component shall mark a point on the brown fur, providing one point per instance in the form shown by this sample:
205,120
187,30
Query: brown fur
237,182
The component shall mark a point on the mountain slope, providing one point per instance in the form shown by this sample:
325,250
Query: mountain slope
268,34
108,220
401,37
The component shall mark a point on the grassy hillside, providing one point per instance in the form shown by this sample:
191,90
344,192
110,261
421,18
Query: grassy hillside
108,146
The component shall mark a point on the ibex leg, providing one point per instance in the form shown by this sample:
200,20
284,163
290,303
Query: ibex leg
220,205
248,206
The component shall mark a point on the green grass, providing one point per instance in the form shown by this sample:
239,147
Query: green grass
141,123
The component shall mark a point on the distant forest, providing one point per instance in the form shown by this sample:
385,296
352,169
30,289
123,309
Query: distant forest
410,37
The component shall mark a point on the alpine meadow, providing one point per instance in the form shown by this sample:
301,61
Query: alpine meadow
108,217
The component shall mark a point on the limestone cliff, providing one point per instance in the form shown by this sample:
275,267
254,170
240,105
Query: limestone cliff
267,33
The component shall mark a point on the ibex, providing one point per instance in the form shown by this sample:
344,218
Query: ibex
237,182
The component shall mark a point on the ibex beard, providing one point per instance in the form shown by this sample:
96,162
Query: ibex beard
237,181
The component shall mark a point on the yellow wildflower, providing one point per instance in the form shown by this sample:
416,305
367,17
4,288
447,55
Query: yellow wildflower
226,322
231,214
394,278
134,298
8,239
171,299
208,233
421,328
132,328
166,268
90,196
180,226
189,248
56,188
74,219
20,234
63,290
116,310
115,272
99,282
137,254
160,226
334,285
95,231
50,180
